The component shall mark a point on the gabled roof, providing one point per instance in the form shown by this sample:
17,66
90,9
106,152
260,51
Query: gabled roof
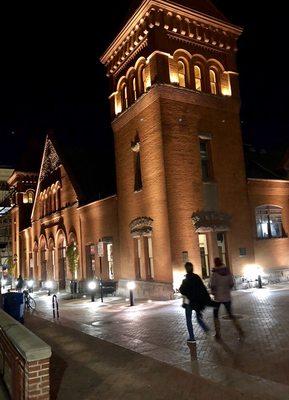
92,178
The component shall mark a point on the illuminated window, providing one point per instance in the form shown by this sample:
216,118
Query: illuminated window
124,97
149,257
198,78
206,163
182,73
137,257
134,88
213,82
30,195
269,222
110,260
143,77
90,261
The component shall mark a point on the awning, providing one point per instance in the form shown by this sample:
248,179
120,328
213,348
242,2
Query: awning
211,221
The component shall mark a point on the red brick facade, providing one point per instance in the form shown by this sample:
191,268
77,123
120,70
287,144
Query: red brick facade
182,192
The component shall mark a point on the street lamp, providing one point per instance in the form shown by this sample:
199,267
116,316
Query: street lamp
131,287
92,287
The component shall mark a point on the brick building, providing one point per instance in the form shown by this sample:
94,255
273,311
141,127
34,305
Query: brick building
182,190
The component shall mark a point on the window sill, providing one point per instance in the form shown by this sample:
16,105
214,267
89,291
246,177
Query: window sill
271,238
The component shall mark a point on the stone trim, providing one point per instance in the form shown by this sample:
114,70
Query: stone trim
141,226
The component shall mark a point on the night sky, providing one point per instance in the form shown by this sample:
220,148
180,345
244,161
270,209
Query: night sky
51,76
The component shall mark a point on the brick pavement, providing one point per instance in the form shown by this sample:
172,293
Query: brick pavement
257,366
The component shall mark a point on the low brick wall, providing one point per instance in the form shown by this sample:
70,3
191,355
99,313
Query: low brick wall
24,361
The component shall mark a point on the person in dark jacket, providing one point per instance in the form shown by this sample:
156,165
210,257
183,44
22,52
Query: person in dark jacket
196,298
221,284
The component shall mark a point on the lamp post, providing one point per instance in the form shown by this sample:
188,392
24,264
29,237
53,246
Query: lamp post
131,286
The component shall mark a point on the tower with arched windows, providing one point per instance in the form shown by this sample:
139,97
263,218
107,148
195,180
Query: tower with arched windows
175,116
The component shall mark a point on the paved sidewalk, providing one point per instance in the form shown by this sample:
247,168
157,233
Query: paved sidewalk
259,366
85,368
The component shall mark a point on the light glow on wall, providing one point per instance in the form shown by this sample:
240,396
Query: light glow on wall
178,278
252,271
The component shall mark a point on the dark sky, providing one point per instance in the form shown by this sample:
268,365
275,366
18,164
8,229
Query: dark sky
51,76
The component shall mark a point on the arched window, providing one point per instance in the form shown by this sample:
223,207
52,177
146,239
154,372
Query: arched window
182,73
198,78
269,222
143,77
124,97
213,81
134,89
30,195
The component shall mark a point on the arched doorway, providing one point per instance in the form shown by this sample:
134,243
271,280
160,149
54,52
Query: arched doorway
43,259
72,255
61,258
51,260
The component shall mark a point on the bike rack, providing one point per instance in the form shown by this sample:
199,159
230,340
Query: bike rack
55,306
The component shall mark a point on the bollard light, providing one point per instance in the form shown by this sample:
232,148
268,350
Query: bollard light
92,287
131,287
49,286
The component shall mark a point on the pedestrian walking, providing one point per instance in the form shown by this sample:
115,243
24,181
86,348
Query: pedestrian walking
221,284
196,297
20,283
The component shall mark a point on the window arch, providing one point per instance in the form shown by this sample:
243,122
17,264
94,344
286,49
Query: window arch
198,78
213,81
269,222
182,73
28,197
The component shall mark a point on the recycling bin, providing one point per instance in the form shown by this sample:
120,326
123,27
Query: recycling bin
13,304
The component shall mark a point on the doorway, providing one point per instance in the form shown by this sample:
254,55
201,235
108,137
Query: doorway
204,254
222,247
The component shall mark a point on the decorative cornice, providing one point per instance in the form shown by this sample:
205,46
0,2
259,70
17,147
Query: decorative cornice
182,20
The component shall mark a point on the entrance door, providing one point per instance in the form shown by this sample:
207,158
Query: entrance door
43,265
203,245
222,247
61,267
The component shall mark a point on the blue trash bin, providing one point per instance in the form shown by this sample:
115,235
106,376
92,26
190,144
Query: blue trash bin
13,304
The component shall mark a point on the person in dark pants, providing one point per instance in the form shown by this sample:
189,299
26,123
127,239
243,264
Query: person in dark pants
196,297
221,284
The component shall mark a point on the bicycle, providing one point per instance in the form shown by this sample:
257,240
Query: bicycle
29,302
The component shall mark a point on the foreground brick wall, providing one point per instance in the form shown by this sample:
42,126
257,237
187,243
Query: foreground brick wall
37,382
24,361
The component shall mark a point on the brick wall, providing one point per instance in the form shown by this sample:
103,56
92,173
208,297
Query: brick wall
24,361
